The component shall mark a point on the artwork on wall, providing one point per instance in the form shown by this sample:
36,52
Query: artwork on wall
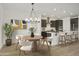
21,24
24,23
17,22
11,21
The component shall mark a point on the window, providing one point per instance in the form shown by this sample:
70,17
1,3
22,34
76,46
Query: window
74,24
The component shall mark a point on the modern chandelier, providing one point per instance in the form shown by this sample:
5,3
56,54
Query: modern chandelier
33,13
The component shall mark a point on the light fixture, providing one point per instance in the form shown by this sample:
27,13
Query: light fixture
33,14
54,9
48,20
13,24
64,11
32,11
71,13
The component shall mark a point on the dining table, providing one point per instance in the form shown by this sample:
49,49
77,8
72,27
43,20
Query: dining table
34,39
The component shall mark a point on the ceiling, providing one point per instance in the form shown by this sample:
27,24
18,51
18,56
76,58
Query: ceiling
59,10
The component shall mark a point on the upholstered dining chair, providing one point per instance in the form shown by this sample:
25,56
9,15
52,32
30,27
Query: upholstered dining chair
49,38
17,41
23,45
44,38
26,46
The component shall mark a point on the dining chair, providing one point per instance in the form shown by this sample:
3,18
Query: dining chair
76,37
49,39
17,41
44,38
26,46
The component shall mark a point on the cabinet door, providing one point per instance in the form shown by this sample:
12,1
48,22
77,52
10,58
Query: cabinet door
52,23
43,23
59,25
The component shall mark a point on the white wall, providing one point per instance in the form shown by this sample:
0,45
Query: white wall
26,31
78,27
66,24
1,17
19,15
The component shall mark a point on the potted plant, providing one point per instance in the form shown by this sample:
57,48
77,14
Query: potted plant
8,33
32,29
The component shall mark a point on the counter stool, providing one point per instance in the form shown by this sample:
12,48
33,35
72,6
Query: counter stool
76,37
68,39
73,38
62,40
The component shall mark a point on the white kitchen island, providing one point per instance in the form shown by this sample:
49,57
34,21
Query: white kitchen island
53,38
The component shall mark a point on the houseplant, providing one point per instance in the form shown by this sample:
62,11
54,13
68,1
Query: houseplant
32,30
8,33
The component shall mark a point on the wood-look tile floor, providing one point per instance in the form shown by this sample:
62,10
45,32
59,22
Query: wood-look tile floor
69,50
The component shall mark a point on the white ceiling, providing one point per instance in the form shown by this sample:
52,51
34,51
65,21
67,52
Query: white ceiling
59,10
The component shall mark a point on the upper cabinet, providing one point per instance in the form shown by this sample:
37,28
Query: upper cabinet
55,25
43,23
59,25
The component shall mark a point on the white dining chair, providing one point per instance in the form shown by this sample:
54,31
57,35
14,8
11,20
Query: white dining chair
26,46
17,41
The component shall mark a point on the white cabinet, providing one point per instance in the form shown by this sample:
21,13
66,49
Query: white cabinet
54,38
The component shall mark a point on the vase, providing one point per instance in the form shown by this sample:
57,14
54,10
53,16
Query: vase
32,34
8,42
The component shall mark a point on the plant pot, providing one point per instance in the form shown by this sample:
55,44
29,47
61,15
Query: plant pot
32,34
8,42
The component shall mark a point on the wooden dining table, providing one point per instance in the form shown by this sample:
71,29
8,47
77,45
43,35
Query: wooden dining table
34,39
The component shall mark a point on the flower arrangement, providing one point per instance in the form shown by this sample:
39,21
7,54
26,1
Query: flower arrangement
32,30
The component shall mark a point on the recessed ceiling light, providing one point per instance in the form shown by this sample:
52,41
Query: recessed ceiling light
54,9
26,19
71,13
64,11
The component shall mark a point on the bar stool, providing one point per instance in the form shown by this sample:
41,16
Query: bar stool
73,37
76,37
67,38
62,40
17,41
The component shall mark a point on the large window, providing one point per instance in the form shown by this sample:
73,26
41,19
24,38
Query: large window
74,24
